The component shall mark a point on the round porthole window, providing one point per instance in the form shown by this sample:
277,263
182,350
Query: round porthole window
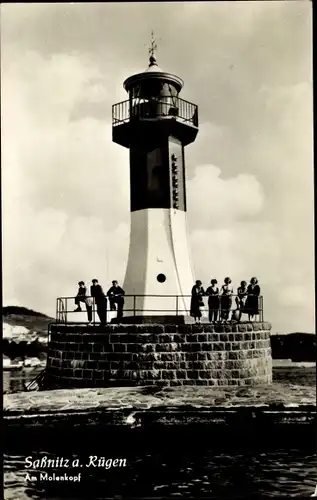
161,278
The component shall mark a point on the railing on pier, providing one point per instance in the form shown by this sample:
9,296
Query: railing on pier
179,305
166,107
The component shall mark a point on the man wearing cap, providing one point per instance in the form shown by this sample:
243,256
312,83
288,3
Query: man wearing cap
115,294
97,292
82,297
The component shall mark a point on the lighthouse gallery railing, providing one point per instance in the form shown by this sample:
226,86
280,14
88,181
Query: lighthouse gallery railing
167,107
65,307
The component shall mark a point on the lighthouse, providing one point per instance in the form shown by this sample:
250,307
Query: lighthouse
155,124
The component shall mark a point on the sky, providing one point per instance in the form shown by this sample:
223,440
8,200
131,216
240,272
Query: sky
65,184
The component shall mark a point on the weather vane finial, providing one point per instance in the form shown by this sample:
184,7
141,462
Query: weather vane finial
152,49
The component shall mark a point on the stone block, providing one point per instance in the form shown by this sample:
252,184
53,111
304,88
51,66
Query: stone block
224,337
237,355
202,382
147,348
163,348
198,365
98,374
119,328
87,374
154,375
191,337
102,365
242,327
218,365
134,348
227,328
203,374
236,346
197,328
203,337
179,338
206,346
212,382
169,356
181,374
213,355
233,381
196,347
119,347
258,353
214,337
200,356
219,328
238,337
170,328
218,346
168,374
164,337
156,328
97,347
185,329
176,382
209,328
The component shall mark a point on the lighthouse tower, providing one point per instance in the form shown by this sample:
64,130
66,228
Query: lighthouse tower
156,125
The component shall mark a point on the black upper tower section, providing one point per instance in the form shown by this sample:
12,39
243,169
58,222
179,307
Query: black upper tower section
155,124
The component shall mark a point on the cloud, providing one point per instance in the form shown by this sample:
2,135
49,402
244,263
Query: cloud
49,253
213,201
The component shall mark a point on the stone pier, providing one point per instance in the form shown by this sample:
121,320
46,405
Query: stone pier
161,355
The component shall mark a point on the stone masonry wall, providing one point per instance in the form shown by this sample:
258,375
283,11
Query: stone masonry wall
93,356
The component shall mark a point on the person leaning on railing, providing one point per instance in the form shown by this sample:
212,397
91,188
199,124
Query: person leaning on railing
82,297
241,298
97,293
115,294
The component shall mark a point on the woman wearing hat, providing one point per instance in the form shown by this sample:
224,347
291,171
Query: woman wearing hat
213,300
252,302
197,301
226,299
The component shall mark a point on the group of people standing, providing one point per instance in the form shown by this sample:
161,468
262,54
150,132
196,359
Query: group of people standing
115,295
220,300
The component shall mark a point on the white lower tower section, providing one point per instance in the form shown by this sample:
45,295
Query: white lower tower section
158,246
